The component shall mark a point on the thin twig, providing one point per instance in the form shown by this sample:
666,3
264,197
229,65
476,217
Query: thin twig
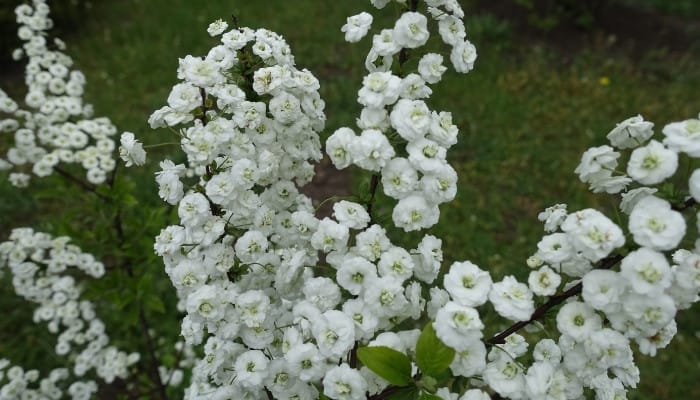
685,205
81,183
553,301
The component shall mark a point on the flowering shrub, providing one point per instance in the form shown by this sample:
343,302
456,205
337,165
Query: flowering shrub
282,303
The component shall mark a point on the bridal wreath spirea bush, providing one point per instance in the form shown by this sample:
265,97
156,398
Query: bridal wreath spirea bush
281,303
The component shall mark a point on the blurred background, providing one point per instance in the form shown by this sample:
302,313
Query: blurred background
552,79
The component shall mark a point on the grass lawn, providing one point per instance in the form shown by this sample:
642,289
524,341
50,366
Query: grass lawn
526,113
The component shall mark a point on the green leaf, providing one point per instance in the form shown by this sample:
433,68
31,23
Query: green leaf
393,366
428,396
154,303
432,356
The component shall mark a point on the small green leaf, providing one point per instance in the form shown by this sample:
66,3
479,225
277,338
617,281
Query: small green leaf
393,366
428,396
154,303
432,356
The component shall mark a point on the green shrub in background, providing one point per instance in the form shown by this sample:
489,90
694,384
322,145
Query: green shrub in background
67,15
492,147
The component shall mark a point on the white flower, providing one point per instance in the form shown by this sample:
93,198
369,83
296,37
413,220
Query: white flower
199,72
285,108
372,150
458,325
371,242
426,155
413,87
396,262
399,178
467,284
350,214
545,381
251,368
602,289
592,233
379,89
694,185
322,292
344,383
463,56
451,30
365,320
440,186
505,376
631,133
184,97
652,164
649,314
307,361
356,27
632,197
553,217
373,118
512,299
547,350
655,225
596,160
414,213
544,282
193,209
647,271
430,67
554,248
470,360
131,150
217,27
411,119
649,345
578,320
608,348
339,147
250,246
383,43
329,236
385,296
475,394
411,30
334,333
253,306
683,137
353,272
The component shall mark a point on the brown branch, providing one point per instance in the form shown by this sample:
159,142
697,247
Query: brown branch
685,205
384,394
553,301
203,118
374,183
154,358
81,183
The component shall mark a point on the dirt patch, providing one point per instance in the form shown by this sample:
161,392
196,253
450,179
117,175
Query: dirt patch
620,27
328,182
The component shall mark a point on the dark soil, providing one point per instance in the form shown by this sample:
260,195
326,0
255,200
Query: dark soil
633,31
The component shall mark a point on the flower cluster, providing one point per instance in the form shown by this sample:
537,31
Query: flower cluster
23,384
395,113
56,126
248,121
289,305
41,273
613,308
281,299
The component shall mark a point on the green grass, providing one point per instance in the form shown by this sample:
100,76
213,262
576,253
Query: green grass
525,116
